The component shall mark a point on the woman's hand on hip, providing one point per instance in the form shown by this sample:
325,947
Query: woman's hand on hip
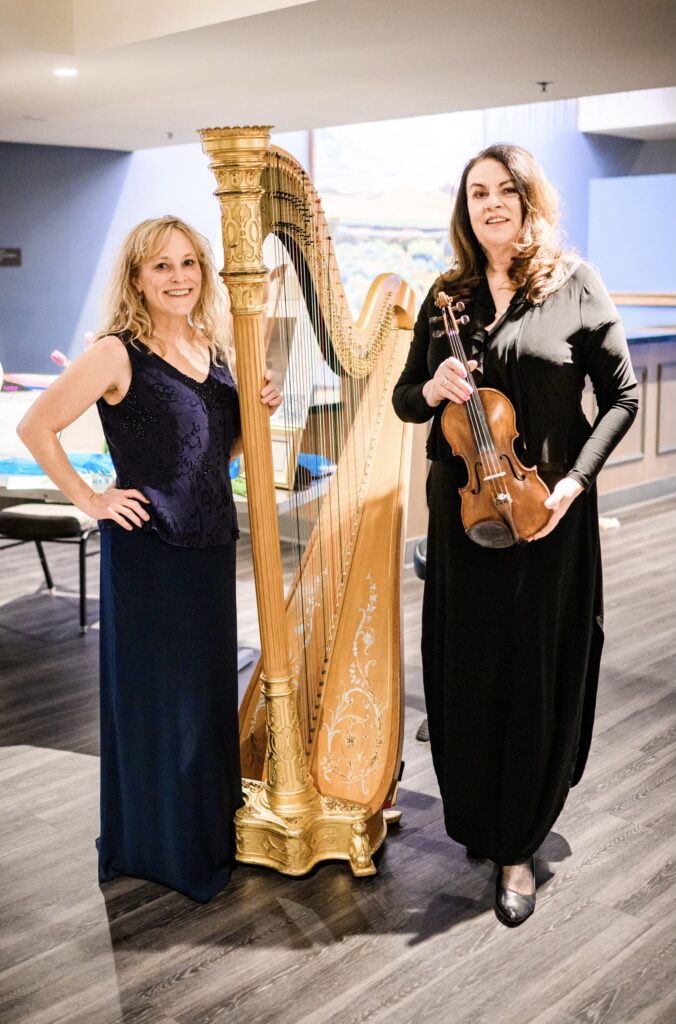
449,382
559,501
270,394
122,506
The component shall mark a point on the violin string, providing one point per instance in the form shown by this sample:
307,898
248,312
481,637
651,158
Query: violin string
489,459
472,412
476,414
477,417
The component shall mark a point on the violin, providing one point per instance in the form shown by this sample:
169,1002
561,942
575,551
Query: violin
503,500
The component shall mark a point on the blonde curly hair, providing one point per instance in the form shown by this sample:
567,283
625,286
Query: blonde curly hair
539,265
126,308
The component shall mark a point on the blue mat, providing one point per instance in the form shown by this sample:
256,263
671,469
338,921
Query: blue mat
85,462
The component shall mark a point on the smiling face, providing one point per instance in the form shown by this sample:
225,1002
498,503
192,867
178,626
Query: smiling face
171,281
494,206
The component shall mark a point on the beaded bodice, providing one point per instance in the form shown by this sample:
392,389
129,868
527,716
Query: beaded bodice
170,438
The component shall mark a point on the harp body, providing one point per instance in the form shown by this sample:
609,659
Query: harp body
321,722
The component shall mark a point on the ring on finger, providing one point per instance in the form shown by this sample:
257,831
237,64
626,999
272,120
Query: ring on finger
444,381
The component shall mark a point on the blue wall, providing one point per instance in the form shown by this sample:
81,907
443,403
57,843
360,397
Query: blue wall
570,158
68,209
55,205
618,198
392,204
632,231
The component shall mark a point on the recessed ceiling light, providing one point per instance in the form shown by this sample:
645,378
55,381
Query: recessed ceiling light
65,72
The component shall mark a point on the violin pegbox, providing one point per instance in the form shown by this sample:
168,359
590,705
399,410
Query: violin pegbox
458,308
451,321
440,330
447,319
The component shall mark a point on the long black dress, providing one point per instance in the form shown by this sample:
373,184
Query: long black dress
170,772
512,638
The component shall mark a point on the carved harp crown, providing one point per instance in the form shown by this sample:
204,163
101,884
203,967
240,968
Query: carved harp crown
321,722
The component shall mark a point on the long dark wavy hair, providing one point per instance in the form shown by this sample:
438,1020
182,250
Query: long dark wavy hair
540,263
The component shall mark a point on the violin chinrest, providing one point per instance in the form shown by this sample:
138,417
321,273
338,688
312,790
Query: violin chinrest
491,533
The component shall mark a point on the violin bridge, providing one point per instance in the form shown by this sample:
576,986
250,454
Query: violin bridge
494,476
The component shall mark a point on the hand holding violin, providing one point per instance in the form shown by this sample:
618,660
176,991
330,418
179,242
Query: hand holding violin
559,501
449,382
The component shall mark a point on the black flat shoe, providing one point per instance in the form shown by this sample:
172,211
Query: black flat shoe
513,908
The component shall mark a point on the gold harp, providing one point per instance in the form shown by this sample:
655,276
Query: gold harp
321,722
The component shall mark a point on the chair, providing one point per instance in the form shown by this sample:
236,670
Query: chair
62,524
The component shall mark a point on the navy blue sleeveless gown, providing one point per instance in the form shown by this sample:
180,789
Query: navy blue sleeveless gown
170,772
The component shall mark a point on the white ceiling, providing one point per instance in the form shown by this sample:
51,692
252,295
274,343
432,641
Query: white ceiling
149,69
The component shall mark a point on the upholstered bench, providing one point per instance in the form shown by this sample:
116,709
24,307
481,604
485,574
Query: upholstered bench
42,521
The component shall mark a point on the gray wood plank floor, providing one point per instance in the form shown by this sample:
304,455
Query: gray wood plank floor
417,942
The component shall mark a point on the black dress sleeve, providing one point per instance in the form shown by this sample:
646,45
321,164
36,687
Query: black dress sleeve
407,398
606,361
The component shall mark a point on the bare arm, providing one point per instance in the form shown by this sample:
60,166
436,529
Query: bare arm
103,370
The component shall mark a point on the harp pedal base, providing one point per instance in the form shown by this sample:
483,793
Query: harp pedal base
334,830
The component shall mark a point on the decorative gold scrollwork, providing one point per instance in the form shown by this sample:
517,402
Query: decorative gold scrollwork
355,725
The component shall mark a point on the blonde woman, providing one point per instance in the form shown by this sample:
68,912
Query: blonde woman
512,638
159,374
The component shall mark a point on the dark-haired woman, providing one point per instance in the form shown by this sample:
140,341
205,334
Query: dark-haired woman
158,372
512,638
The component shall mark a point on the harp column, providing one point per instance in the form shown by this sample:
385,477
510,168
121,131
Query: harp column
285,823
237,161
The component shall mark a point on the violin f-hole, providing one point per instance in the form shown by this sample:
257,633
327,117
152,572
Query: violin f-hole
515,472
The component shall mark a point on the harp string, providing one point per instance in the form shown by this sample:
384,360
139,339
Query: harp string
301,243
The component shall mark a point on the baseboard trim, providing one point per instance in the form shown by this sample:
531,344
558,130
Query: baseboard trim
639,494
